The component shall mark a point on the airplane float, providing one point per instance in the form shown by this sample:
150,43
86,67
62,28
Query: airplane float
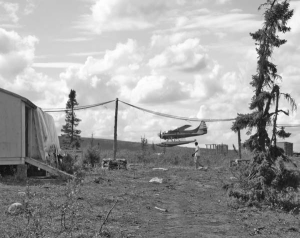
172,136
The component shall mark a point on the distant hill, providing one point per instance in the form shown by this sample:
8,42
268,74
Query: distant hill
107,144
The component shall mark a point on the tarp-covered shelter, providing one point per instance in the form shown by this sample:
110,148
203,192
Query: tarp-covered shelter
26,132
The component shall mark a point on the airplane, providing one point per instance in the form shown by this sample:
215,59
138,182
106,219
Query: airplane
181,133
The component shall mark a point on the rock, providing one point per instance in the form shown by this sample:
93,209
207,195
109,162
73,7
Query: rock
163,169
15,208
156,180
203,168
21,194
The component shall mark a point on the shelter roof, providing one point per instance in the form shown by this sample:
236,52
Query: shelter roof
28,102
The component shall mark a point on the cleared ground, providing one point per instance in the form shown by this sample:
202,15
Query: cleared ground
195,203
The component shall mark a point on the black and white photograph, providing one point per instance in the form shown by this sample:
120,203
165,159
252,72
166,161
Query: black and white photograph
149,118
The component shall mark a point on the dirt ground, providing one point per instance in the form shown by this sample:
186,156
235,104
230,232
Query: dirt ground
188,203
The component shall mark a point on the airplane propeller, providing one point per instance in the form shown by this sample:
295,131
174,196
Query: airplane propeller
159,134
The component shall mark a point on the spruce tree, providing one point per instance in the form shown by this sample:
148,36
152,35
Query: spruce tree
71,136
263,171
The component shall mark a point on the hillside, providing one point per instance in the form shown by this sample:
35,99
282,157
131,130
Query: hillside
107,144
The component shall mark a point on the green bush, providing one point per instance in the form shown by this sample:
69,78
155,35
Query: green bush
92,156
67,163
70,164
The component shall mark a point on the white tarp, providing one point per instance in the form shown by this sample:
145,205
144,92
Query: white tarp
44,132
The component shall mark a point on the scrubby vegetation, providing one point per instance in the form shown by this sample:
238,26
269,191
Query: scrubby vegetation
100,203
76,209
274,188
55,214
92,156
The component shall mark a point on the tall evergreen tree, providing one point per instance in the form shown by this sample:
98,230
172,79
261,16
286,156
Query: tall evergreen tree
71,134
265,101
265,81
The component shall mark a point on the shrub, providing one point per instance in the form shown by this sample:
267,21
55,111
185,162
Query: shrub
68,163
273,186
92,155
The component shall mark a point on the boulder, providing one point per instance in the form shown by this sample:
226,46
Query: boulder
156,180
15,208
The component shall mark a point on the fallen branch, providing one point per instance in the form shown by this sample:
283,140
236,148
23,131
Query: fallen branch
107,216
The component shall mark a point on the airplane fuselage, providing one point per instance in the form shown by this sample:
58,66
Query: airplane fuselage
183,134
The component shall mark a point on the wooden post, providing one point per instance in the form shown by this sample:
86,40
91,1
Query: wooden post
239,142
72,120
116,128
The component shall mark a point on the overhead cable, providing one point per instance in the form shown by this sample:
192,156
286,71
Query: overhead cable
77,108
177,117
63,108
155,113
288,125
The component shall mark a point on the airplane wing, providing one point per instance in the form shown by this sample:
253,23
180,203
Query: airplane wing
179,129
174,143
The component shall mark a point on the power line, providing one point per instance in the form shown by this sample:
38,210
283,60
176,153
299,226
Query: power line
155,113
76,108
176,117
91,105
63,108
288,125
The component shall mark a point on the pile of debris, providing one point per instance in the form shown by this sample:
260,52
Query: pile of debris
114,164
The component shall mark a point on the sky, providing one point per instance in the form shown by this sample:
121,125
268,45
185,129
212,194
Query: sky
189,58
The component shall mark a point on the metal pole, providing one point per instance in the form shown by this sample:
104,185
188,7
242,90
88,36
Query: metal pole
239,142
116,128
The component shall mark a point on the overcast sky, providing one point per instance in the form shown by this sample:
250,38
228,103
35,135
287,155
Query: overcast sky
191,58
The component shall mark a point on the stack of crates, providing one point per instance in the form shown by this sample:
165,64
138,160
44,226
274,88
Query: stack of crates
287,146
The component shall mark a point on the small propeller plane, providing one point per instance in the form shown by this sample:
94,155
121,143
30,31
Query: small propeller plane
180,132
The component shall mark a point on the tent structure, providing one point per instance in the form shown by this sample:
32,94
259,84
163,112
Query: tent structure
27,134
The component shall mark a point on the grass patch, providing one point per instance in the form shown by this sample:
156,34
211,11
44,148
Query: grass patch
121,203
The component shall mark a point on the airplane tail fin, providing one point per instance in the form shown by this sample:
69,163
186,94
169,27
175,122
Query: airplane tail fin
202,128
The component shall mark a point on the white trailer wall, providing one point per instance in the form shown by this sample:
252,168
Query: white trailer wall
10,127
